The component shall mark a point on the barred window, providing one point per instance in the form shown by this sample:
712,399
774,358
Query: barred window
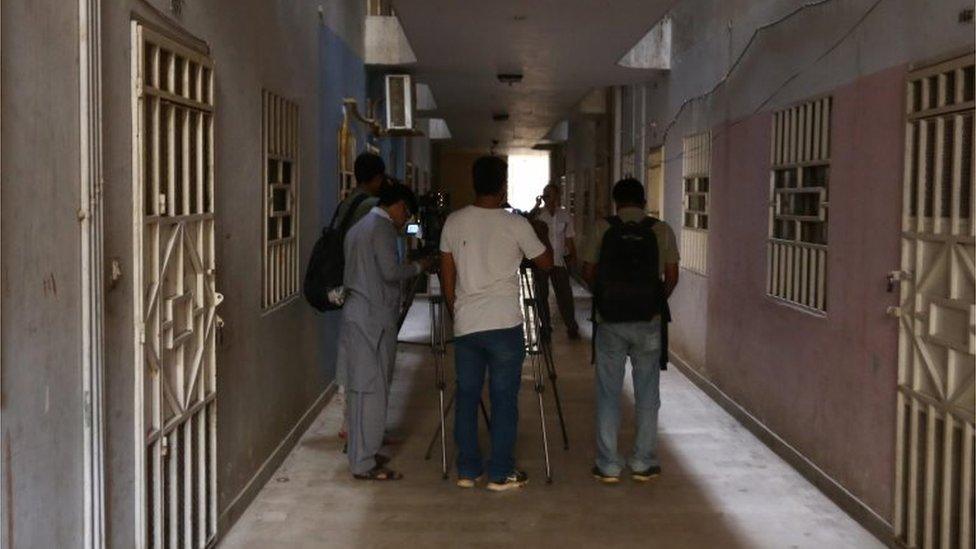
695,171
799,182
696,202
281,180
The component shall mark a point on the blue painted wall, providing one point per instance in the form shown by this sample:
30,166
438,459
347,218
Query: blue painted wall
342,74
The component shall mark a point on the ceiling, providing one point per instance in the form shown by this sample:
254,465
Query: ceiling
564,48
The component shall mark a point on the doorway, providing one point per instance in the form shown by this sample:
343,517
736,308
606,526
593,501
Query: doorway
175,297
654,182
935,432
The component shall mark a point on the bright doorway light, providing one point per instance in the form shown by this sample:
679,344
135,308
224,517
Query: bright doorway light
528,174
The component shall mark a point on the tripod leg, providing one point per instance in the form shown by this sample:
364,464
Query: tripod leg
440,426
443,441
545,435
551,368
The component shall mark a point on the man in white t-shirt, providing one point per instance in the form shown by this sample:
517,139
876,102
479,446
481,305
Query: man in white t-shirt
482,247
562,238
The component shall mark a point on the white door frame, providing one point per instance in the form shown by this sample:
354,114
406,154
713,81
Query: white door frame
92,299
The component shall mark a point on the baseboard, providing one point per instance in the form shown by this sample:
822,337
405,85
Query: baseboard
842,497
233,512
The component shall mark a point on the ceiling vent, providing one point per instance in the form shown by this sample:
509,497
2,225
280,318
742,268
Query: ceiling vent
510,78
399,102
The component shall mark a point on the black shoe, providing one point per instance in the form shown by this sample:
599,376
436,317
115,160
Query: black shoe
515,479
646,475
604,478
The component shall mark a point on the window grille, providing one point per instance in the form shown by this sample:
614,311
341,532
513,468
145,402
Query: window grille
281,195
797,249
695,170
935,439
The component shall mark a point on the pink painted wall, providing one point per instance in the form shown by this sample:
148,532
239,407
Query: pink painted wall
825,385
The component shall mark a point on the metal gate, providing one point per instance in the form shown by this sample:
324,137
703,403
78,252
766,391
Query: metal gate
935,439
175,299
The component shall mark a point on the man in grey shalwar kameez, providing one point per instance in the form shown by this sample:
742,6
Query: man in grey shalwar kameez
368,332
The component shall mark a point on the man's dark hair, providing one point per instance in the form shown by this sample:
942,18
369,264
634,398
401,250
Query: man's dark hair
368,166
489,174
394,192
629,191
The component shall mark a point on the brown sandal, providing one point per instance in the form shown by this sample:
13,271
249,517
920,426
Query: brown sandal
379,473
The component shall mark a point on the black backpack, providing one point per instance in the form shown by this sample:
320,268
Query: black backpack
328,260
628,281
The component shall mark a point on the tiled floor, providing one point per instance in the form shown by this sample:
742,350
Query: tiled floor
721,487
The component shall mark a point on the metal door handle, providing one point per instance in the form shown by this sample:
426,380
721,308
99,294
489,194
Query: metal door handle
896,276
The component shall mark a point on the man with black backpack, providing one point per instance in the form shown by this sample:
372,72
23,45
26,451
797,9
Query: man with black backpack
631,266
323,287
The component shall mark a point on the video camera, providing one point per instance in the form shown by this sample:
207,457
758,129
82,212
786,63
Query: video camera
432,210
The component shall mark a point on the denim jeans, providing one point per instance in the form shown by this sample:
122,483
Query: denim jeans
499,353
615,342
559,276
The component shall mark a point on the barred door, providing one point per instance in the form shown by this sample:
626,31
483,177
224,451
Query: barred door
934,468
175,298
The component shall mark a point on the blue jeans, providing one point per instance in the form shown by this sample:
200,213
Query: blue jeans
500,353
615,342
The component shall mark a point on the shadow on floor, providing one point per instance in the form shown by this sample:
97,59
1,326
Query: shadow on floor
720,487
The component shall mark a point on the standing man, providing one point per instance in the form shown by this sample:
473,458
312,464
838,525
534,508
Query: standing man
482,247
561,237
631,265
368,332
370,172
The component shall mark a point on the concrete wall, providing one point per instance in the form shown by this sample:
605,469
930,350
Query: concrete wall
272,367
40,283
824,385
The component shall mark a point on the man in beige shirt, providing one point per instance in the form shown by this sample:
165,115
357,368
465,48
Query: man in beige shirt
562,237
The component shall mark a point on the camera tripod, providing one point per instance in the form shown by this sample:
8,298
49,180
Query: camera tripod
538,346
438,346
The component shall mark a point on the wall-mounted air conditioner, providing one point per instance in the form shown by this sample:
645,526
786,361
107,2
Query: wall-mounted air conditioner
399,102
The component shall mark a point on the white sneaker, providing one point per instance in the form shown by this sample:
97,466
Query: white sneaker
515,479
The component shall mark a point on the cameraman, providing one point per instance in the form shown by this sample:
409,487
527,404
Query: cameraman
368,332
482,247
370,173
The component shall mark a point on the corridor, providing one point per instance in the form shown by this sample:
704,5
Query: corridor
720,486
171,170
